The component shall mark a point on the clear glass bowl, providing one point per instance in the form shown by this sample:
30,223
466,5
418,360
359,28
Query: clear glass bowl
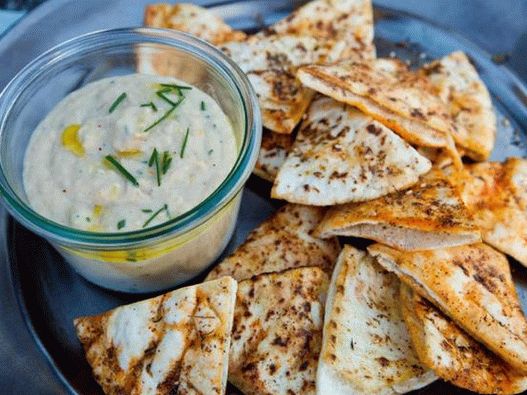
165,255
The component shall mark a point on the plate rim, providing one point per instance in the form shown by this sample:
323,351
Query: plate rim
50,5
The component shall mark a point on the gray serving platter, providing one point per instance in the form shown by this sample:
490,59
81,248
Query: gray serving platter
49,294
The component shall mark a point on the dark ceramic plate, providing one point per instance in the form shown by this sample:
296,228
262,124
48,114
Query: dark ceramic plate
50,294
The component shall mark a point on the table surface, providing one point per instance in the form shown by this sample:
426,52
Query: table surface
499,27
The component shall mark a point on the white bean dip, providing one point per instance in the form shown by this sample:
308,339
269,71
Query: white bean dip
128,153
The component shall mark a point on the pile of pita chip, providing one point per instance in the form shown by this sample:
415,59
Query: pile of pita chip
430,215
175,343
452,354
341,155
277,332
282,242
471,285
366,348
457,83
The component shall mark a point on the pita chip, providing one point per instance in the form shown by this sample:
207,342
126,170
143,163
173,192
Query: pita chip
282,242
270,63
341,155
427,216
497,195
192,19
471,285
393,95
174,343
277,332
347,23
273,151
458,84
366,348
453,355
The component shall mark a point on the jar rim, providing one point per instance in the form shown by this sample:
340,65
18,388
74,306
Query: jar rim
223,194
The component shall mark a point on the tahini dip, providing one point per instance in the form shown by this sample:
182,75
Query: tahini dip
128,153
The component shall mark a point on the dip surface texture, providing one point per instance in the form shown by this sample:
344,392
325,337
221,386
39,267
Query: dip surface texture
127,153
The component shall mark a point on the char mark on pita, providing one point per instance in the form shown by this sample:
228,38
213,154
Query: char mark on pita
277,332
174,343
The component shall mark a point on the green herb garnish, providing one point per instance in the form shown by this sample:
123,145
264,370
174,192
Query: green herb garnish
176,87
165,116
121,169
121,224
154,158
184,144
151,105
203,108
167,88
166,161
164,208
117,101
147,210
210,151
161,95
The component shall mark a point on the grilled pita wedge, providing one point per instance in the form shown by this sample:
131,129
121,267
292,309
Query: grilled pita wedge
366,348
452,354
473,286
341,155
393,95
429,215
458,84
347,23
497,195
277,332
270,63
273,152
284,241
191,19
175,343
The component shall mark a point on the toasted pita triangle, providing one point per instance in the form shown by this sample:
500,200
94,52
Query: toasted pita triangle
341,155
393,95
427,216
366,348
458,84
282,242
273,151
497,195
348,23
177,342
452,354
191,19
270,63
471,285
277,332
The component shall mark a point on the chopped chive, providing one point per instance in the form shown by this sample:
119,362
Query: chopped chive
121,224
165,162
184,144
155,159
174,86
117,101
121,169
164,208
203,108
151,104
210,151
147,210
162,96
